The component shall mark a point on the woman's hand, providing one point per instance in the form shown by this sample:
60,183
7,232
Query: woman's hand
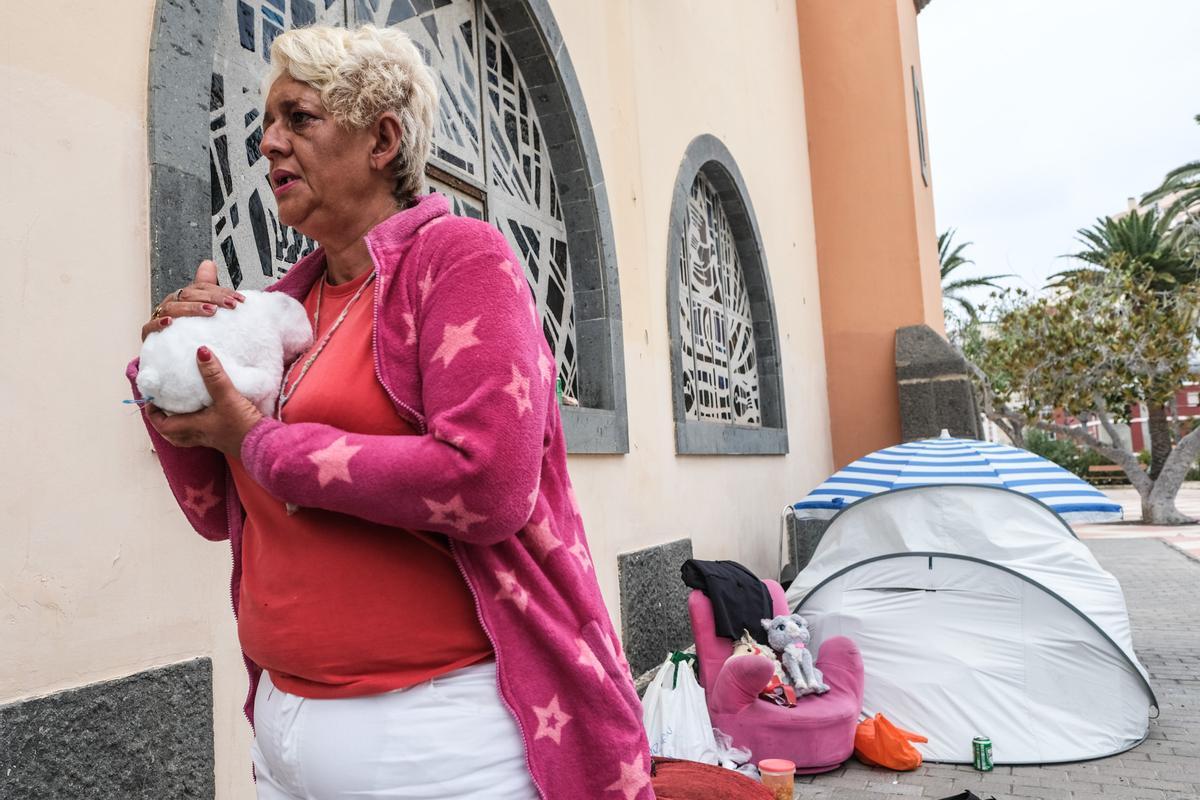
222,426
200,298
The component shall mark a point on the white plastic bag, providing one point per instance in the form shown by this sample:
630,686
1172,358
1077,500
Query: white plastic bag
730,757
676,715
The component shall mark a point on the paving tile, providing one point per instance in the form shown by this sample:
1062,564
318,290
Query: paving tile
896,789
1134,793
1169,786
1074,786
1042,792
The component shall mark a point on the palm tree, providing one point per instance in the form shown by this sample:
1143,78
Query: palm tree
950,258
1146,246
1142,244
1184,182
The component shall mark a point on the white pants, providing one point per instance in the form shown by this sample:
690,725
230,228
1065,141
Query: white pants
450,737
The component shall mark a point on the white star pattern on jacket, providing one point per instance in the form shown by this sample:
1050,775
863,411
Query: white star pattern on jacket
453,513
455,339
519,390
465,471
612,650
618,651
425,284
453,441
333,461
541,539
588,659
545,366
573,501
551,719
428,226
633,779
581,555
511,589
411,339
199,501
515,274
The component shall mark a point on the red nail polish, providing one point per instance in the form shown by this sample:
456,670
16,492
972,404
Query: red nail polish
209,307
229,302
165,321
204,354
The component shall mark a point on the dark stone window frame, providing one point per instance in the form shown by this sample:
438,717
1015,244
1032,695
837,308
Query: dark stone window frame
919,111
708,155
181,62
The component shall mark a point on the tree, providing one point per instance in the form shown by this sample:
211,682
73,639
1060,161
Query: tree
1184,183
950,258
972,338
1141,243
1094,350
1145,246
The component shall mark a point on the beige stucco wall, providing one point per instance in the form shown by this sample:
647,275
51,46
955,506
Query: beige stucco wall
101,576
652,84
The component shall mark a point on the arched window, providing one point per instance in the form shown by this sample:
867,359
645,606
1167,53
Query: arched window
724,340
511,145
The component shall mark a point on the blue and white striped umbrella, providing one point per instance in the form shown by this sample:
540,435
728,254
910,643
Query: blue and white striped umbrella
947,460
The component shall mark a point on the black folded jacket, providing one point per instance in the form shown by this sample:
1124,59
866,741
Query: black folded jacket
740,601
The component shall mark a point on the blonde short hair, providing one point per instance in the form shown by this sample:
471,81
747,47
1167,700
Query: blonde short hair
360,74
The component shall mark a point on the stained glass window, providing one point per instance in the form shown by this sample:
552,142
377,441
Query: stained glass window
489,155
720,372
255,247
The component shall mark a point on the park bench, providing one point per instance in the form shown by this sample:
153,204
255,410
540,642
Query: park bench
1105,474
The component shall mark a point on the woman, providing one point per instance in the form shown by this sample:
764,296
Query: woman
415,597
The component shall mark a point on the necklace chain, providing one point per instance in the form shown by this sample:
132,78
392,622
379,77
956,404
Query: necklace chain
286,394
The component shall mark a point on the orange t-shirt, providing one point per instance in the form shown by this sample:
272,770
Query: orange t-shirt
333,605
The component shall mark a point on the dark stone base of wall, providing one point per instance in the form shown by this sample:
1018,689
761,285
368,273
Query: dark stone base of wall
654,617
803,535
147,736
934,385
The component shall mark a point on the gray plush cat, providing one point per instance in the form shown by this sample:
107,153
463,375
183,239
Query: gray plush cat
789,636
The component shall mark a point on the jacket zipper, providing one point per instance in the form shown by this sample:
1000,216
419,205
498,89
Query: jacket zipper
423,429
499,690
409,412
412,414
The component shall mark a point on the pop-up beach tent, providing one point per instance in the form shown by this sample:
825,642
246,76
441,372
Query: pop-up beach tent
979,613
947,460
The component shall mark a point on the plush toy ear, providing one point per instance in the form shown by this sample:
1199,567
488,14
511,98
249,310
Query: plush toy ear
766,623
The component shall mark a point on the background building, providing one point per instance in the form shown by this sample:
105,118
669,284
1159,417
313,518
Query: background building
724,216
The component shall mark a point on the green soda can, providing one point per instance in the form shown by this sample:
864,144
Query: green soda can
982,748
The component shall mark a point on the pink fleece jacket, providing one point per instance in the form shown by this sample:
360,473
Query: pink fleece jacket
459,349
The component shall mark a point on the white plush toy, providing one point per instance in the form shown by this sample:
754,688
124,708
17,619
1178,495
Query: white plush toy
789,636
253,342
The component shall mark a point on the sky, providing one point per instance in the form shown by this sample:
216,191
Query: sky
1046,114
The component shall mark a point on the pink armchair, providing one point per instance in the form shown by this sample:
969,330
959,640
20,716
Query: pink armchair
818,734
